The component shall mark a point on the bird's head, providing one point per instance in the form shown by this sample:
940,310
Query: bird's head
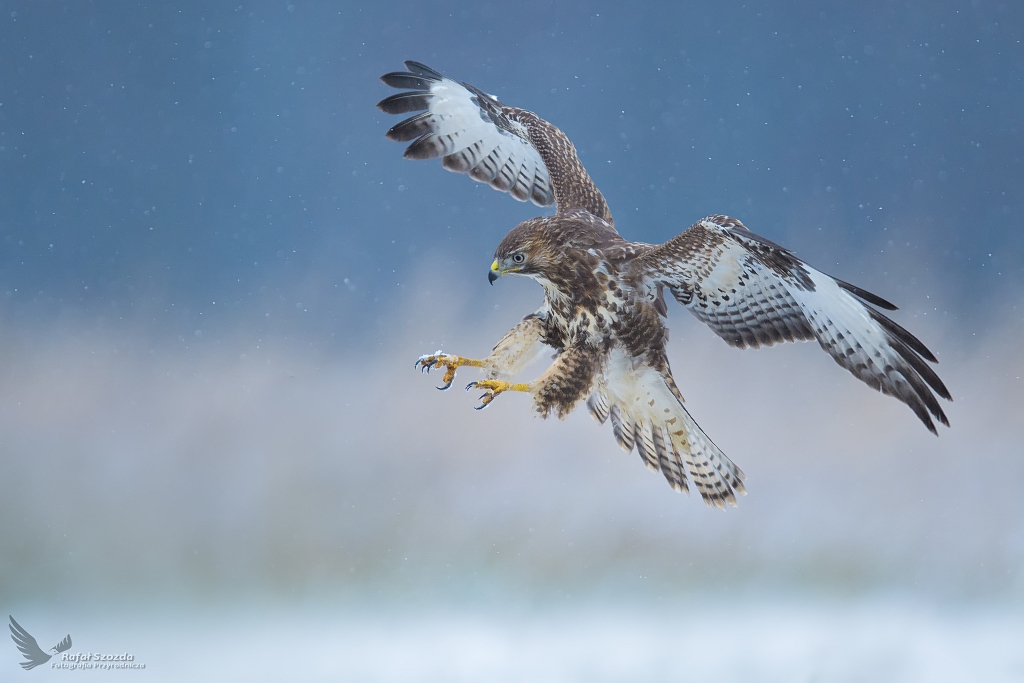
529,249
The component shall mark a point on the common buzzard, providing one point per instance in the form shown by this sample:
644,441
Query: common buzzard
604,306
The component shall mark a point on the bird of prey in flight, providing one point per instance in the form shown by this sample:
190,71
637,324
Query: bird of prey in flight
30,648
604,304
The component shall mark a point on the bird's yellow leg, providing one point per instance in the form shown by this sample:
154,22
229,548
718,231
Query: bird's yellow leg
509,355
493,387
449,362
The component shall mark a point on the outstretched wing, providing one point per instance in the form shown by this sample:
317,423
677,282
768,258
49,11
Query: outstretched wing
647,411
751,291
28,646
510,149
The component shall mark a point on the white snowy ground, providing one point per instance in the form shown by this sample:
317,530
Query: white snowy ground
785,641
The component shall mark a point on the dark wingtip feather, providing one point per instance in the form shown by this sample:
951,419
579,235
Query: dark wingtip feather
866,296
425,147
422,70
404,102
904,336
922,369
407,81
922,380
410,129
916,403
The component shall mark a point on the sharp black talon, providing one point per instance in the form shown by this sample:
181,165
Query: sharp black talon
446,387
470,386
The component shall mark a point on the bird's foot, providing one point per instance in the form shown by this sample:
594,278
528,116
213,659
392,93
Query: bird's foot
493,387
449,362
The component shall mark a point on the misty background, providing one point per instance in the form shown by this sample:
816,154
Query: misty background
216,274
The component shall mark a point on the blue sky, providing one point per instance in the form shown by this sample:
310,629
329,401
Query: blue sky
184,154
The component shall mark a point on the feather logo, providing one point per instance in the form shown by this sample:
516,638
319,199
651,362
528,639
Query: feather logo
30,648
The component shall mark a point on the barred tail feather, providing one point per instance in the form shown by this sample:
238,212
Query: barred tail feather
716,477
646,412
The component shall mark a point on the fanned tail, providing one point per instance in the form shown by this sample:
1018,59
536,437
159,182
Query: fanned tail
647,412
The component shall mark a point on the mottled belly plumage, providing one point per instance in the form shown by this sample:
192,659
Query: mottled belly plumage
586,335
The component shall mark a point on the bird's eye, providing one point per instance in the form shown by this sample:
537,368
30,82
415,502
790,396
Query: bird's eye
518,258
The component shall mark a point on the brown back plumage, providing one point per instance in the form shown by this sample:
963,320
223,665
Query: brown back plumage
573,186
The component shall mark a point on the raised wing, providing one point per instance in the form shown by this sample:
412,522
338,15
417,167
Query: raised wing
751,292
647,411
510,149
28,646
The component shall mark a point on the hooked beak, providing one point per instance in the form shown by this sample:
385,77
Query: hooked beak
494,273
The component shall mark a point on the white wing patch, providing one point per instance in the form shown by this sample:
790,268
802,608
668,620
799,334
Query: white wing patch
879,355
471,130
752,292
742,300
646,414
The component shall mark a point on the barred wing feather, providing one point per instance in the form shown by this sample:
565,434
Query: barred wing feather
466,127
752,292
510,149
